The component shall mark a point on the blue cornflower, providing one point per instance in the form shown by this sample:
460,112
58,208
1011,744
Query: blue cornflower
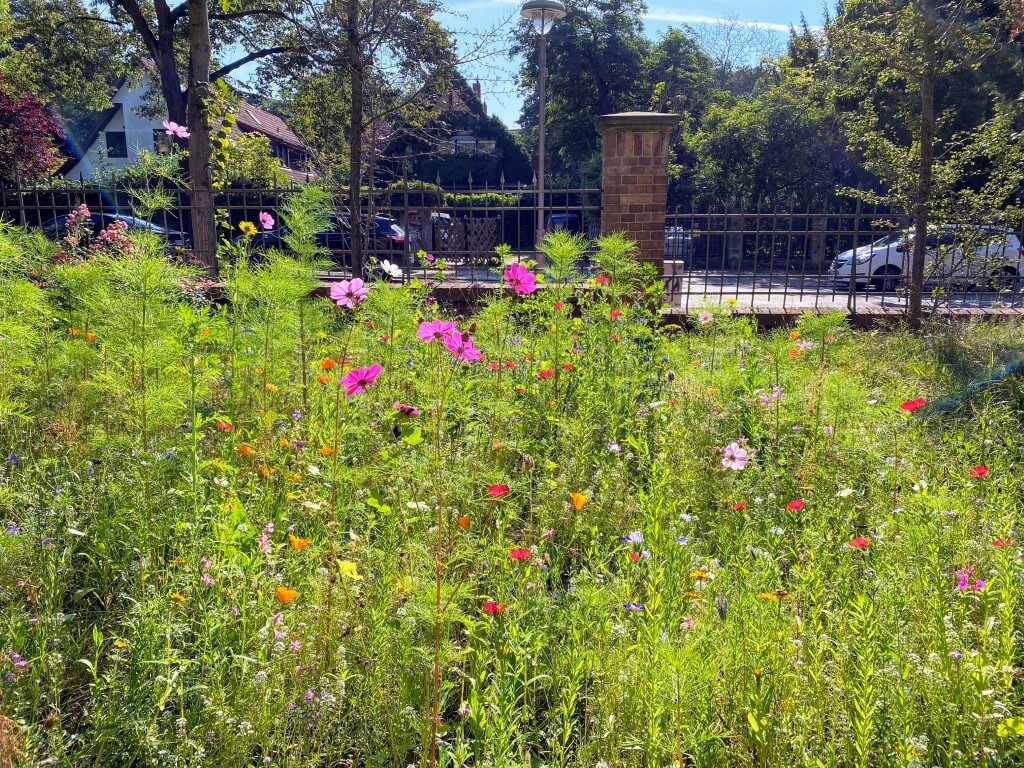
633,537
684,540
11,458
12,528
633,607
297,414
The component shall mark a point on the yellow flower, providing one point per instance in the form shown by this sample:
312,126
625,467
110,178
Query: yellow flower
248,228
699,573
794,335
283,442
271,388
349,570
578,500
120,643
177,597
769,596
326,450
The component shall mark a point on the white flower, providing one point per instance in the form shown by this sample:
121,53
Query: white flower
417,506
844,493
392,270
311,505
312,470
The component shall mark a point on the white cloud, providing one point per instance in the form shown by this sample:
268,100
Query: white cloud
676,17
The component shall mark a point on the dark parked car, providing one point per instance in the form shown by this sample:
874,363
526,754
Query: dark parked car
567,221
386,236
57,227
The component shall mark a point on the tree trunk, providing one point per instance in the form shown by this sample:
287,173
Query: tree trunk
924,172
204,228
355,146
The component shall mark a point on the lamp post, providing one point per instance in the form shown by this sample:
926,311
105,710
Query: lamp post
542,14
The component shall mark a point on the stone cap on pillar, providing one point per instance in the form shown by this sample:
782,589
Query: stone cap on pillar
637,121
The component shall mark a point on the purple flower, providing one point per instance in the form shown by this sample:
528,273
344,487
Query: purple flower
349,293
633,607
956,655
296,414
614,448
12,528
11,458
633,537
965,580
684,540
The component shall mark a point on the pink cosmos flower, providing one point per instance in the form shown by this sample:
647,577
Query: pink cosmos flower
859,542
705,317
462,346
795,505
349,293
734,457
521,279
434,330
176,130
357,380
266,220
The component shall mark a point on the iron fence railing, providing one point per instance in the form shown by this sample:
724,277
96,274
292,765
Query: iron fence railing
849,259
459,228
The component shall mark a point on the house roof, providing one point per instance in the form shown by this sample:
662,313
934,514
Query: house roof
76,152
256,119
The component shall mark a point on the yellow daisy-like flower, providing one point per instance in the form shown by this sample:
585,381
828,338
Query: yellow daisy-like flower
699,573
120,643
177,597
769,596
349,570
248,228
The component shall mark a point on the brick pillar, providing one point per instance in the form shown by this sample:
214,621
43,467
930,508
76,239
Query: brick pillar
635,179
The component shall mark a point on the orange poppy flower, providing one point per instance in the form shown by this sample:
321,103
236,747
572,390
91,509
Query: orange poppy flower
327,363
464,522
286,595
90,336
246,450
577,500
326,450
298,544
73,331
322,379
794,335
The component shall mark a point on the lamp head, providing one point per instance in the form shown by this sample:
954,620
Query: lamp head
543,14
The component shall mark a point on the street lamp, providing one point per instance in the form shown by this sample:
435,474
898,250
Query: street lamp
542,14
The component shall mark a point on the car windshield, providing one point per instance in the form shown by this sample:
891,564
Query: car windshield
887,240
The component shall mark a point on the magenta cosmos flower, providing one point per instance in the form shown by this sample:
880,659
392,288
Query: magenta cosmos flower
266,220
176,130
357,380
462,345
520,279
349,293
434,330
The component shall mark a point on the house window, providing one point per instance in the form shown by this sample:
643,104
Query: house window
117,144
162,141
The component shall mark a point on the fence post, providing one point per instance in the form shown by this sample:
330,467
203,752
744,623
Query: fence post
817,245
734,239
635,179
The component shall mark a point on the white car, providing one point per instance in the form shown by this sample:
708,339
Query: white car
958,256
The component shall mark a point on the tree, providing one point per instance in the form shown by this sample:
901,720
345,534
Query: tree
30,139
597,62
64,54
927,90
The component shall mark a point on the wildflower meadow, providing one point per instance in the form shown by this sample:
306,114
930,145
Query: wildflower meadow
250,525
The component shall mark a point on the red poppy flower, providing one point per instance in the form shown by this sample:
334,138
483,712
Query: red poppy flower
519,554
545,373
1002,542
225,425
566,366
602,279
494,366
615,314
859,542
912,405
979,471
739,505
492,607
497,490
796,505
634,556
559,306
509,364
615,337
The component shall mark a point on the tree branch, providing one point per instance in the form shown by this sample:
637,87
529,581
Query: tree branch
227,69
131,7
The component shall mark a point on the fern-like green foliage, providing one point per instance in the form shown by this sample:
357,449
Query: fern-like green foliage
564,251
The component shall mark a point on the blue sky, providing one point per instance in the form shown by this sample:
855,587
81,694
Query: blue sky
470,19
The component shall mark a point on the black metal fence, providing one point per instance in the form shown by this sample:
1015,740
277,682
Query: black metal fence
418,229
851,260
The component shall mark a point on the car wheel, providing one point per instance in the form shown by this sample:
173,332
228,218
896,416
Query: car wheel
887,279
1002,280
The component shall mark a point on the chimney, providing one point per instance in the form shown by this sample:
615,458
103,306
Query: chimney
476,89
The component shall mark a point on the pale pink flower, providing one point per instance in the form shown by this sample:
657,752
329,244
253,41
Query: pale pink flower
349,293
734,457
174,129
266,220
357,380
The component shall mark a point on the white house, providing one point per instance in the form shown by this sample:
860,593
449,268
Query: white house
124,130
